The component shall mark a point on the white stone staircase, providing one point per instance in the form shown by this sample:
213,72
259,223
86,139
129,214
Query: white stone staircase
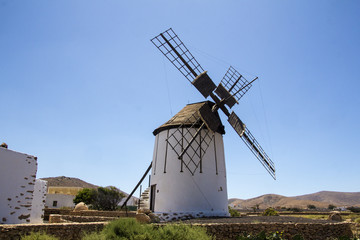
145,199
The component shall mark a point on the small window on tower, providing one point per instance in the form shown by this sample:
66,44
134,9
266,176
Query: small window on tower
54,203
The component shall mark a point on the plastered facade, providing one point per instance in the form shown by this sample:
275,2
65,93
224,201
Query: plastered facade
179,194
17,181
59,200
38,203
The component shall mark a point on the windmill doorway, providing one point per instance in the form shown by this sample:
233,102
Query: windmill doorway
152,197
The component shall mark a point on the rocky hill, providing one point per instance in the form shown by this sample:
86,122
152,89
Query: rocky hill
320,200
67,182
335,198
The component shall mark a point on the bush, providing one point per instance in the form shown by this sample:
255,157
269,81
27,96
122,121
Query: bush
233,212
38,236
106,199
357,220
354,209
331,207
129,228
310,206
182,232
270,212
295,209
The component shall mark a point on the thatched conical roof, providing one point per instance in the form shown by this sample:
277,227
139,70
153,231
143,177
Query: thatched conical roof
189,116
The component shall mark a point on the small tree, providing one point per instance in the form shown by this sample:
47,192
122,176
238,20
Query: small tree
85,195
254,208
310,206
294,209
354,209
107,198
331,207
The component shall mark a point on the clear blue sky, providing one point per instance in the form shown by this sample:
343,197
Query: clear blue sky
82,87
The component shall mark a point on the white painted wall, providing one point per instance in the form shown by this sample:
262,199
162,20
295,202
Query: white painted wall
17,180
132,201
63,200
204,194
38,202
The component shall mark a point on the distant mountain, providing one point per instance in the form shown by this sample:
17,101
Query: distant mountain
335,198
67,182
320,200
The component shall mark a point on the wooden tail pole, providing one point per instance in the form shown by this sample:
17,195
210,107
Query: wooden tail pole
137,185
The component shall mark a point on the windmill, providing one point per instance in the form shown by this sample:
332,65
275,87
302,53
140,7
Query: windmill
188,176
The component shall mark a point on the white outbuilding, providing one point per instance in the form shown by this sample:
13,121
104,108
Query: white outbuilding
38,202
193,185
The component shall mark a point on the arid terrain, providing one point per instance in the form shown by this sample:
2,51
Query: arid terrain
320,200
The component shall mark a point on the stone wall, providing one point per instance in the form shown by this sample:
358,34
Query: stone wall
308,231
296,213
73,231
89,213
68,231
71,218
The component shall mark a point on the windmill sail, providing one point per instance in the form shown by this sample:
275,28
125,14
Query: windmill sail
178,54
232,87
251,143
235,83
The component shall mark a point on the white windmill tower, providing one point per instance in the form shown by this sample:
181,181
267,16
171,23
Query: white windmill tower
188,177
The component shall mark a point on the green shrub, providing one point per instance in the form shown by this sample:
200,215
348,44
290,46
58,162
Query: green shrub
233,212
102,198
181,231
311,206
295,209
357,220
331,207
38,236
129,228
270,212
354,209
94,236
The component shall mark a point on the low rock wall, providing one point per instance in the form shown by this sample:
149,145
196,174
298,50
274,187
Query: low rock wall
73,231
71,218
68,231
308,231
89,213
